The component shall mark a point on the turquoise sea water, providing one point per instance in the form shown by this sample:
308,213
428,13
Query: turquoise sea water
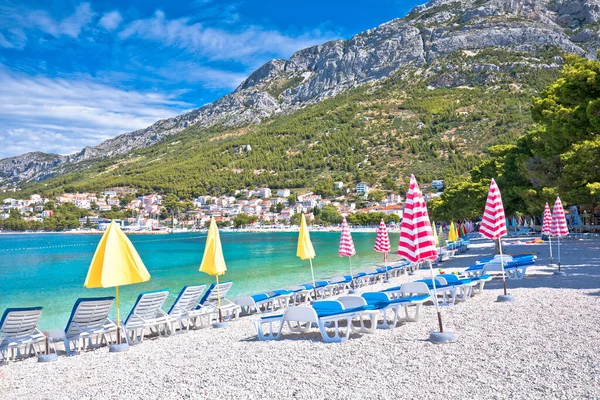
49,269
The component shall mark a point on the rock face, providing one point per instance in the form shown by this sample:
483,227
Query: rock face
427,34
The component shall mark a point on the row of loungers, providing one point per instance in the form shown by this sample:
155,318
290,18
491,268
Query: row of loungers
307,293
89,320
515,267
336,319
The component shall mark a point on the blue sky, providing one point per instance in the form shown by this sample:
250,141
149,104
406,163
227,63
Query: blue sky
73,74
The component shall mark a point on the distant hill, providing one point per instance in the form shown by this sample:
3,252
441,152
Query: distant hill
426,93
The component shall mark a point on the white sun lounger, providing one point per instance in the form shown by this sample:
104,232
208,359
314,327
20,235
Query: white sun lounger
186,312
334,322
410,295
18,330
148,314
259,303
89,319
229,309
464,286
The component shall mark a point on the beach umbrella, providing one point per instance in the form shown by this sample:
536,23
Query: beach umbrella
346,248
213,262
531,223
547,221
115,263
493,225
558,226
305,249
452,235
441,239
525,225
416,243
382,241
514,222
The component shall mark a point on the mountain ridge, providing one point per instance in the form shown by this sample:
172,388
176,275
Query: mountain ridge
429,32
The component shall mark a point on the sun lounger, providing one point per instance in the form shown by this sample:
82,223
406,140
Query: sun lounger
229,309
88,320
301,295
322,290
186,312
464,285
148,314
262,302
445,291
327,315
341,284
18,330
381,301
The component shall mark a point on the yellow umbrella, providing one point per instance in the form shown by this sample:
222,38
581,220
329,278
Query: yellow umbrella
305,248
435,236
115,263
452,234
213,262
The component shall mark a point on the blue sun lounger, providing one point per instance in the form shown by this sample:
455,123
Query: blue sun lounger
414,294
464,285
89,319
447,292
229,309
334,322
186,311
259,303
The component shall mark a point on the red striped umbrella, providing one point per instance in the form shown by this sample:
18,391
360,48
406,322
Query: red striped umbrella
493,221
546,228
558,226
382,241
346,244
416,237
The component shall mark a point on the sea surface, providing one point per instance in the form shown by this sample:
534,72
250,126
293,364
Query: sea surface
49,269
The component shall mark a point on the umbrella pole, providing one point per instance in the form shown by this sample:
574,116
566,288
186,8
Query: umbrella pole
387,267
502,264
313,278
118,316
435,299
559,253
351,273
550,243
219,300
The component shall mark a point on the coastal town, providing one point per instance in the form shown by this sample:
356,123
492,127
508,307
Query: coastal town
260,207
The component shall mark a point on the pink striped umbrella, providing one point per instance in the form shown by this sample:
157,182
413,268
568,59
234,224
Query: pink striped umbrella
558,226
546,227
493,221
346,248
382,241
416,237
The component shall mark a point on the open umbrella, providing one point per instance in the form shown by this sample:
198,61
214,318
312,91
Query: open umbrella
546,228
416,244
305,249
213,262
116,263
558,226
346,248
493,226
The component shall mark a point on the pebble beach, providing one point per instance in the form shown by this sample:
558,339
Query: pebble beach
544,345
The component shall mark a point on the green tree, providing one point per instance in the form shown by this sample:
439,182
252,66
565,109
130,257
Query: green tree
242,220
328,215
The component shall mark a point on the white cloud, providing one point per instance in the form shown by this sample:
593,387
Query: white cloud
218,44
63,115
192,72
69,26
111,21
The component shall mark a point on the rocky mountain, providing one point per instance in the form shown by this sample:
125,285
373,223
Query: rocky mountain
429,33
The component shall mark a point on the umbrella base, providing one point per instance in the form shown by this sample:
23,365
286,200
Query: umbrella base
219,325
117,348
44,358
443,337
559,273
351,291
505,297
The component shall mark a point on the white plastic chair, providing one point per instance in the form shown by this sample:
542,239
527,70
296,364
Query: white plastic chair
18,330
186,312
89,319
229,309
147,314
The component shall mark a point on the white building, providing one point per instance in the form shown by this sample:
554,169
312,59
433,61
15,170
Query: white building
362,188
264,193
284,193
438,184
338,185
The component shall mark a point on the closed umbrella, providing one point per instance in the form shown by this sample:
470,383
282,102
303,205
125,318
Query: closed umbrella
416,244
382,243
452,234
493,226
305,249
116,263
346,248
546,228
558,227
213,262
441,239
